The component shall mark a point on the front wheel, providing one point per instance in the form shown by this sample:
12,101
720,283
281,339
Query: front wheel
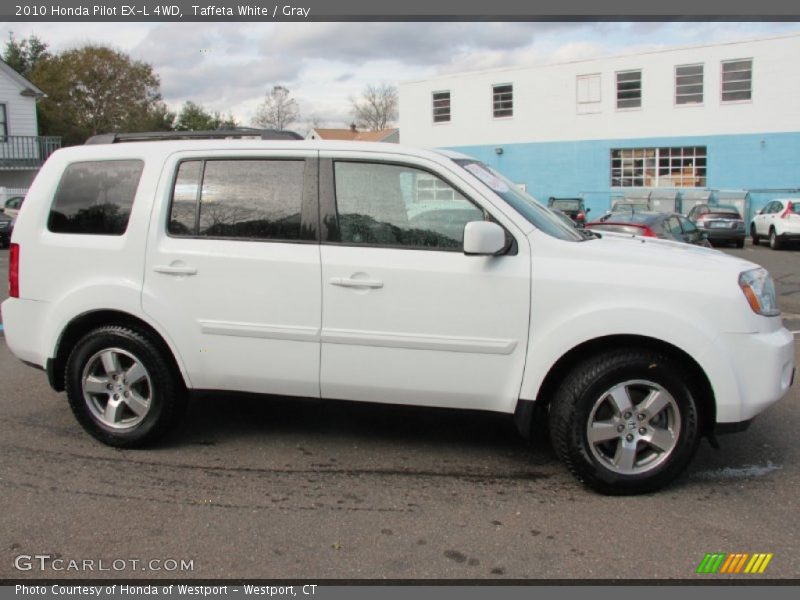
625,421
121,387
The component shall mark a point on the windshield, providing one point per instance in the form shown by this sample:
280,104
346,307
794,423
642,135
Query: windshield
537,215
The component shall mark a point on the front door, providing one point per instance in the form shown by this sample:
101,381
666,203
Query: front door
408,318
233,270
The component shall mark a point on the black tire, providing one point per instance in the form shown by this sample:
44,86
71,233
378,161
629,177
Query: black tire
740,243
774,241
753,235
160,384
584,389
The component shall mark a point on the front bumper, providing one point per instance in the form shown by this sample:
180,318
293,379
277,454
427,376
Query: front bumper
763,367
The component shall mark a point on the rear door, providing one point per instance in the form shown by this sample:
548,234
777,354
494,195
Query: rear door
233,269
764,220
407,317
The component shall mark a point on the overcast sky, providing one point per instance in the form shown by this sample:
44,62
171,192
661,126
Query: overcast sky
228,67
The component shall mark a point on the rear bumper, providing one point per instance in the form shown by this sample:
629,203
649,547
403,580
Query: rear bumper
725,235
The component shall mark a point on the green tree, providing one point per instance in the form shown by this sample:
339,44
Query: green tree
94,89
23,55
193,117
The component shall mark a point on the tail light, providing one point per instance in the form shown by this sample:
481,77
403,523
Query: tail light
581,216
788,211
647,232
13,271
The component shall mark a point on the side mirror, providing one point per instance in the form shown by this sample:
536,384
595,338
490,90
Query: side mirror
588,210
482,238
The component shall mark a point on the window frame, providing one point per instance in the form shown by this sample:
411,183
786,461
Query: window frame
598,103
722,64
494,110
641,90
308,198
449,107
4,129
656,158
329,214
675,85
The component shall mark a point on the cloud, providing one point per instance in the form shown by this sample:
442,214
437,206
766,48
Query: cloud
228,67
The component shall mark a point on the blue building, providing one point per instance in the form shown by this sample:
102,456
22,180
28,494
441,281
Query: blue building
718,120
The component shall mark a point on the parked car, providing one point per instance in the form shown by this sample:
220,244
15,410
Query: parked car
720,223
12,205
142,272
572,207
778,221
667,226
6,227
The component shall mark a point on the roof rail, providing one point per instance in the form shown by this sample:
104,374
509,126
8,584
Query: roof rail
217,134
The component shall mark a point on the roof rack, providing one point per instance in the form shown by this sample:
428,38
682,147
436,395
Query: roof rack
217,134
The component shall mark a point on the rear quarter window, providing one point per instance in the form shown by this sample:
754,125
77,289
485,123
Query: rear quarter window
95,197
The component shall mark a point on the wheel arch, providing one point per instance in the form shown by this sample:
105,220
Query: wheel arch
87,321
699,383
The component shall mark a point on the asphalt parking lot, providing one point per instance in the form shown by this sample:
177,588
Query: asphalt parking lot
298,489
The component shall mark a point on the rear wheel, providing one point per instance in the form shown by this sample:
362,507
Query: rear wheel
774,240
740,243
121,388
753,234
625,421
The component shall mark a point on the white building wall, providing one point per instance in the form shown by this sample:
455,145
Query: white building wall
545,99
20,110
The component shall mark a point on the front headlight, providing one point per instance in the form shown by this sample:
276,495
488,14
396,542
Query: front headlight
759,290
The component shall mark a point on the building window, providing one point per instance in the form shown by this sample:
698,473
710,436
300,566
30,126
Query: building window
689,84
737,80
441,107
629,89
503,100
588,91
3,122
659,167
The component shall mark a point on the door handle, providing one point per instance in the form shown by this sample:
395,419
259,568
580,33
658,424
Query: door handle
356,283
168,270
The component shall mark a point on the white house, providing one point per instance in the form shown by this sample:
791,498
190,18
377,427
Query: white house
721,119
22,149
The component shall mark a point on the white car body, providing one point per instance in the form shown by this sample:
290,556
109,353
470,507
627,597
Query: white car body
776,222
436,328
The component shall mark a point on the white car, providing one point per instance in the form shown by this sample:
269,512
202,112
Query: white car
140,272
778,221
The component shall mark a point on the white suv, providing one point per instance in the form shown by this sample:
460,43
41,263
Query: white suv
778,221
140,272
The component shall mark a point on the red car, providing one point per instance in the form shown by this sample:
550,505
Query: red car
667,226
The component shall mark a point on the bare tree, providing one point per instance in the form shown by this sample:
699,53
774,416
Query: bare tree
278,110
376,108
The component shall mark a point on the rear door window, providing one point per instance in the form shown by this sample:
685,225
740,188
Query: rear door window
95,197
245,199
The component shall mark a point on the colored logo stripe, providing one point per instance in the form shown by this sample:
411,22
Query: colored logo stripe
737,562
